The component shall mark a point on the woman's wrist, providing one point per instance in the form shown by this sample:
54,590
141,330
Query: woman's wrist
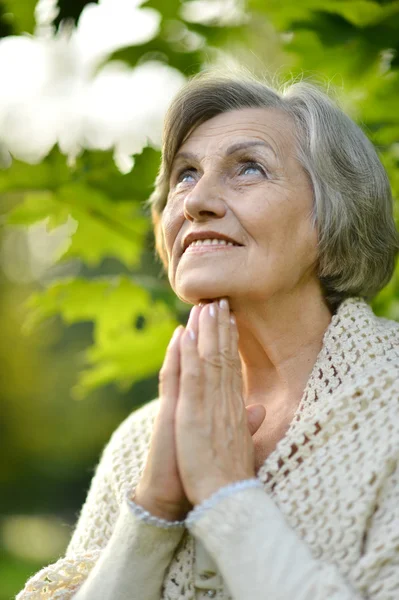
151,513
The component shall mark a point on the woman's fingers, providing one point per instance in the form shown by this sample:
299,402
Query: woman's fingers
169,374
193,320
191,380
224,330
213,429
237,381
208,342
234,339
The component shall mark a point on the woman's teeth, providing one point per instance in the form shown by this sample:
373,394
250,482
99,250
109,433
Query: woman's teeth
213,242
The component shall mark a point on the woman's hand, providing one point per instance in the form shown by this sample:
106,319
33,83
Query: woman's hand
213,441
160,490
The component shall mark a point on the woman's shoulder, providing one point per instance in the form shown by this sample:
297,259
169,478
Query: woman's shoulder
366,346
357,372
360,340
387,332
380,345
369,392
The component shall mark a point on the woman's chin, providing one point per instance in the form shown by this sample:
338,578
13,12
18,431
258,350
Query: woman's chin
197,298
205,292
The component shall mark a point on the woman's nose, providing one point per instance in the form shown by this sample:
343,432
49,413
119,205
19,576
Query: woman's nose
205,200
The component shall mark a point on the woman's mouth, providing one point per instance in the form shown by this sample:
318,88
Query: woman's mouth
209,246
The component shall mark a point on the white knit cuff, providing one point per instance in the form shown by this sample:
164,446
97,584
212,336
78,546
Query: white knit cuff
146,517
221,493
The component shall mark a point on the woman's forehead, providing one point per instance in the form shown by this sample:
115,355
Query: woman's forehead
269,127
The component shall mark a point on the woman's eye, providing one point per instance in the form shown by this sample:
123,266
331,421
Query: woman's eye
251,166
184,176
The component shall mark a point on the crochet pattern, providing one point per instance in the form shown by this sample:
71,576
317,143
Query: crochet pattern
334,476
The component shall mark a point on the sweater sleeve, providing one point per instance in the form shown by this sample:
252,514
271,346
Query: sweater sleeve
112,554
260,556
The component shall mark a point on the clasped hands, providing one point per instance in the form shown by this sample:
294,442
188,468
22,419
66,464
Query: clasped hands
202,436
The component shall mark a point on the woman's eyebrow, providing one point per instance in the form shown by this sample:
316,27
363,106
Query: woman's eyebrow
242,145
187,155
230,150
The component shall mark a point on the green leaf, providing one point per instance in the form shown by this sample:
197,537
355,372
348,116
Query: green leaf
104,229
23,14
48,174
361,13
128,358
358,12
75,300
131,330
36,206
98,238
98,170
168,10
186,61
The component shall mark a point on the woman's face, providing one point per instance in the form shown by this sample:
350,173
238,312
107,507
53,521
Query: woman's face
237,175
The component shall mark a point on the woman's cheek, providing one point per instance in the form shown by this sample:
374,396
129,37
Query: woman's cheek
167,227
171,225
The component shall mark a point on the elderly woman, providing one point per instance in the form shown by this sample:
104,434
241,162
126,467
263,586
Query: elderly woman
267,469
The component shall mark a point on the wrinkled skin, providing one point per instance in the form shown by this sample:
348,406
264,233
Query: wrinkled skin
163,490
211,404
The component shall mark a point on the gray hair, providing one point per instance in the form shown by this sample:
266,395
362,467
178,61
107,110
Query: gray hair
357,238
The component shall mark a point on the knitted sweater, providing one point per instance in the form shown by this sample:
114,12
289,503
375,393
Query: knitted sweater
324,526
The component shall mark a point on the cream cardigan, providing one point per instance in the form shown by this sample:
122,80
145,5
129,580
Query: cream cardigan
325,526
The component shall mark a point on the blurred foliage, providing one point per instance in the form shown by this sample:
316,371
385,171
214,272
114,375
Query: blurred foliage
352,44
20,16
131,331
105,325
70,10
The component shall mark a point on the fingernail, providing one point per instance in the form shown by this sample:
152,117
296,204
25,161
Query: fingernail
191,333
212,310
223,303
232,320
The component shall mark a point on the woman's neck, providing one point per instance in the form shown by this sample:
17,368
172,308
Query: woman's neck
278,344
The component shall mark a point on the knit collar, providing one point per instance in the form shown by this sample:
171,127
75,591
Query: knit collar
356,339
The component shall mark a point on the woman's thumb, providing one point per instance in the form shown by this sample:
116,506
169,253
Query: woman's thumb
256,414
